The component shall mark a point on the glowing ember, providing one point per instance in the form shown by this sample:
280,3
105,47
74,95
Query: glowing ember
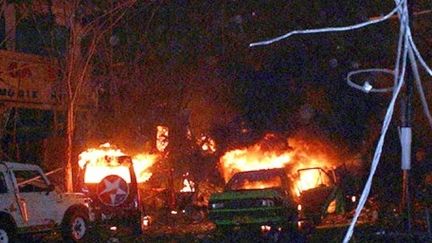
161,138
188,186
207,144
104,161
271,152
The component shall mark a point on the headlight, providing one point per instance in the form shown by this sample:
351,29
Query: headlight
267,203
217,205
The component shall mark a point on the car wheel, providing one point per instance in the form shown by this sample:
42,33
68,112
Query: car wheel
6,233
75,227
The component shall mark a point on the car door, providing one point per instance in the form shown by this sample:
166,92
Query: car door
8,200
317,197
35,198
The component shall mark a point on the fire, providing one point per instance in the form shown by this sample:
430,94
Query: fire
142,163
188,186
255,157
162,138
294,153
207,144
308,179
312,154
261,184
103,161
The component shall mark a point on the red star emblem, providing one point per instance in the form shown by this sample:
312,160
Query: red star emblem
113,190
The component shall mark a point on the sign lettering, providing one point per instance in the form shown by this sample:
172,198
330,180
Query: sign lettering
31,81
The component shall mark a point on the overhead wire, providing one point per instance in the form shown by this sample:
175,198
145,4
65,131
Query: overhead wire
418,55
328,29
419,87
406,48
402,44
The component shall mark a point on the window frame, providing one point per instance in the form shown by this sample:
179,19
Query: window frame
39,174
4,183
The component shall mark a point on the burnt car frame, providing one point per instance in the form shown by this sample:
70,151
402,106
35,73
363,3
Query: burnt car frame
275,206
116,202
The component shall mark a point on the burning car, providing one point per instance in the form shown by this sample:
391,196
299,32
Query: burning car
115,198
111,179
318,194
277,183
254,198
265,199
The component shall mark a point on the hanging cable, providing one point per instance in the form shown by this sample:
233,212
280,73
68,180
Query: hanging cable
406,46
419,87
329,29
403,41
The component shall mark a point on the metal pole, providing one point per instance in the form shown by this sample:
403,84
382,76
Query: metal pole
406,138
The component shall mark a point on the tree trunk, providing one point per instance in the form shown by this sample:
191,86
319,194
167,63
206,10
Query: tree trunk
74,67
70,135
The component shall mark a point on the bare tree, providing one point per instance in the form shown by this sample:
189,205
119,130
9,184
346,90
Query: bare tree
87,24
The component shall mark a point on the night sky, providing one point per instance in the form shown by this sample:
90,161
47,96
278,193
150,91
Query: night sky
190,61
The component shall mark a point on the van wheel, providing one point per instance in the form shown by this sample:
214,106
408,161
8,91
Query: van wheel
6,232
75,227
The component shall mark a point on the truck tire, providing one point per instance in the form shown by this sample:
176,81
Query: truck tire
7,233
75,227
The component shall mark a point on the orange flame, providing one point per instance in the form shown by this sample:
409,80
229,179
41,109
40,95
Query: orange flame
101,162
142,163
262,184
310,153
308,179
188,186
255,157
273,153
207,144
162,138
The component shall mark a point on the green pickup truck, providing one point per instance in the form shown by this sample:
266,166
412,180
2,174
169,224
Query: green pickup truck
264,199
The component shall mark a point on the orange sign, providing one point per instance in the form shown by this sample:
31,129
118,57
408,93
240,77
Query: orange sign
30,81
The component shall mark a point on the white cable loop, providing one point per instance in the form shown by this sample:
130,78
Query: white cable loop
378,150
400,80
406,46
367,88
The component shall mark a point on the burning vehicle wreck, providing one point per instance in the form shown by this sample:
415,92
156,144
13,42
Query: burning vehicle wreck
116,199
273,186
259,198
111,179
265,199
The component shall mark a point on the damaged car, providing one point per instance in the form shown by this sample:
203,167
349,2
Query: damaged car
265,200
116,197
30,204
